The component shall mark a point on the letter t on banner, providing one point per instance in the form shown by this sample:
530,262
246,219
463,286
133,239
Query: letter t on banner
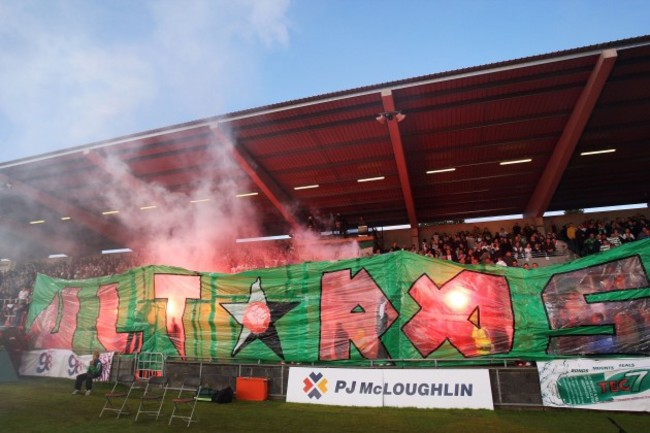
177,289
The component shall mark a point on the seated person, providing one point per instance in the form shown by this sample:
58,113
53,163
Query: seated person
94,371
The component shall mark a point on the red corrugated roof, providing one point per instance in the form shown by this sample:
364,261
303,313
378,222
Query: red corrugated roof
470,119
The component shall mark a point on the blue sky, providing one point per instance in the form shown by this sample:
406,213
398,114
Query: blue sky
77,71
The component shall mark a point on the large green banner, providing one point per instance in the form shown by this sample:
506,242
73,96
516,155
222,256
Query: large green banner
398,306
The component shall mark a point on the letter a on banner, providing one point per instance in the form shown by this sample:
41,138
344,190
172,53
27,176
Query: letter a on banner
353,310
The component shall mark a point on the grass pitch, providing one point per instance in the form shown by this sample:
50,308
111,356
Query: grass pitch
47,406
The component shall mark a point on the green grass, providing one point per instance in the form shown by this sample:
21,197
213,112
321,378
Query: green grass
46,405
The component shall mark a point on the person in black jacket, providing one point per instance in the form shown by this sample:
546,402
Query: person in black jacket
94,371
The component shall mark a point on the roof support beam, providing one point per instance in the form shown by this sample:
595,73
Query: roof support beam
86,218
258,175
398,150
572,132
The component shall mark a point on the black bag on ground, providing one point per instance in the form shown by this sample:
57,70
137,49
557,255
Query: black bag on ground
225,395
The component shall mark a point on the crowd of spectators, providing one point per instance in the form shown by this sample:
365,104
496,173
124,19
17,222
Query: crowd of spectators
514,247
593,236
519,245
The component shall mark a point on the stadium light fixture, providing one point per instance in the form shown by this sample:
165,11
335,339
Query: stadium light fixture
66,218
388,116
263,238
371,179
516,161
57,256
395,227
599,209
117,251
298,188
615,208
148,207
201,200
597,152
247,194
37,222
494,218
442,170
110,212
552,213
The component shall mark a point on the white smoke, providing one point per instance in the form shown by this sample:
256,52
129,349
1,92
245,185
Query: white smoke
198,229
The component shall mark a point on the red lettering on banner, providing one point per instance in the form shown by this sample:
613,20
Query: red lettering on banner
176,289
353,310
624,385
614,386
472,311
109,304
56,324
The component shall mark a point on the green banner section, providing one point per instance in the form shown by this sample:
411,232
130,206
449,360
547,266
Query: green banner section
400,307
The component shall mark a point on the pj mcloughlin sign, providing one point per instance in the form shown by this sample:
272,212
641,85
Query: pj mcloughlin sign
421,388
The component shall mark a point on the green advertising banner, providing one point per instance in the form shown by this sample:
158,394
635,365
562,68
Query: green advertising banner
398,306
601,384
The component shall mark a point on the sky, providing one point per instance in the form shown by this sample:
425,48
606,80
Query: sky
73,72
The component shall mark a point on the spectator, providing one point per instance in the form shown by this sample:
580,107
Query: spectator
528,251
7,314
591,245
549,246
508,258
93,372
605,246
615,239
571,237
644,234
627,236
23,295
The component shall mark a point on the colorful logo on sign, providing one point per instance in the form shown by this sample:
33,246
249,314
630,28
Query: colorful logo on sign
315,385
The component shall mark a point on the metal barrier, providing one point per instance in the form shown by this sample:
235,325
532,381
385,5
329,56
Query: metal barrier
149,364
512,386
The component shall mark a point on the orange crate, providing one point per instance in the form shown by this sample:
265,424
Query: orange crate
252,388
